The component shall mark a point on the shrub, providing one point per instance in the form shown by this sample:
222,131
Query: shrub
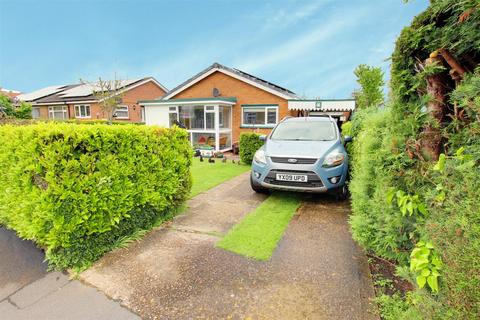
347,128
77,190
249,144
437,202
11,110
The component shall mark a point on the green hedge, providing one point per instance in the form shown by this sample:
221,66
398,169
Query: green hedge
249,144
385,158
79,190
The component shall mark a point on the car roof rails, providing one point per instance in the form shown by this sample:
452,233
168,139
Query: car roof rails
286,117
325,116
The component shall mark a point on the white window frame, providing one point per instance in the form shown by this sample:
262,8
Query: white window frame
175,111
208,109
122,106
78,107
38,110
264,125
51,112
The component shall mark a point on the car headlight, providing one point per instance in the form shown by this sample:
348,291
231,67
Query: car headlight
260,156
333,159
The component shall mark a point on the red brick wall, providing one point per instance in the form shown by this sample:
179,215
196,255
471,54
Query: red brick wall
245,94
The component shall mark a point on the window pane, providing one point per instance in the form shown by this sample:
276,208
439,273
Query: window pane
254,116
192,117
172,109
210,120
87,111
225,141
184,117
58,113
203,139
224,114
77,111
271,115
198,120
172,117
121,112
35,113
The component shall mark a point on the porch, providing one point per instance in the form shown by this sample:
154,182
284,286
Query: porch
207,120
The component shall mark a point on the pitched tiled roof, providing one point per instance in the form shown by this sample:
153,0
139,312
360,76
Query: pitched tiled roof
72,93
239,73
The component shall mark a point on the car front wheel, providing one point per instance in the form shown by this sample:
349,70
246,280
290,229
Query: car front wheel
257,188
342,193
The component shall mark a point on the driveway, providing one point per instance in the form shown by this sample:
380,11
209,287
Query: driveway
175,272
28,291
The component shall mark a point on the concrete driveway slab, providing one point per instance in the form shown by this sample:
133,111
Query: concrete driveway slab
317,271
218,209
28,291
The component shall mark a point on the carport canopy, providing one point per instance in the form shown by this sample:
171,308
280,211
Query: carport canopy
335,105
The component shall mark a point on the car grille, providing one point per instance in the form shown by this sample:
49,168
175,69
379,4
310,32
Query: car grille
298,160
314,180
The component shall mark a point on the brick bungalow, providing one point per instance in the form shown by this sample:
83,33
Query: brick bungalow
220,103
76,101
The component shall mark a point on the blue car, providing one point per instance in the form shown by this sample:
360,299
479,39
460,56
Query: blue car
304,154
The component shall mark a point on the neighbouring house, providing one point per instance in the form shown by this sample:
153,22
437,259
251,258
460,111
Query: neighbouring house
77,101
12,94
220,103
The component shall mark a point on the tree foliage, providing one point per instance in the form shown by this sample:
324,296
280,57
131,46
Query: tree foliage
436,200
371,84
108,93
22,110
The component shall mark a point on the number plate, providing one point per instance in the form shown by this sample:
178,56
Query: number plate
292,177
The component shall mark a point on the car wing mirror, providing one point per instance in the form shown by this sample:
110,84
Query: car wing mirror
262,137
347,139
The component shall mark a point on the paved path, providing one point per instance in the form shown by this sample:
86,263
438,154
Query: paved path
28,291
317,271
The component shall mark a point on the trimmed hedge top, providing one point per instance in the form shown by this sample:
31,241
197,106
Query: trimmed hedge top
64,183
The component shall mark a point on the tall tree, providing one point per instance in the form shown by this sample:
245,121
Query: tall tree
371,84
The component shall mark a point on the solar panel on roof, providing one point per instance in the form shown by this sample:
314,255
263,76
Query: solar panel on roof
87,89
40,93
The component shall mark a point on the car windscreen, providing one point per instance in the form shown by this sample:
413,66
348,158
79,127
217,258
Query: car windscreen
305,131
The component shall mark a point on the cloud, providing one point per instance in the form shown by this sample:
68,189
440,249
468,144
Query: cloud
284,18
303,44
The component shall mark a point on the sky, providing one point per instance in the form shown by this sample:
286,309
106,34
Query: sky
309,47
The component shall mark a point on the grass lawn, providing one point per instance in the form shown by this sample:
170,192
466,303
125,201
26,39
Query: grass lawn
208,175
257,235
